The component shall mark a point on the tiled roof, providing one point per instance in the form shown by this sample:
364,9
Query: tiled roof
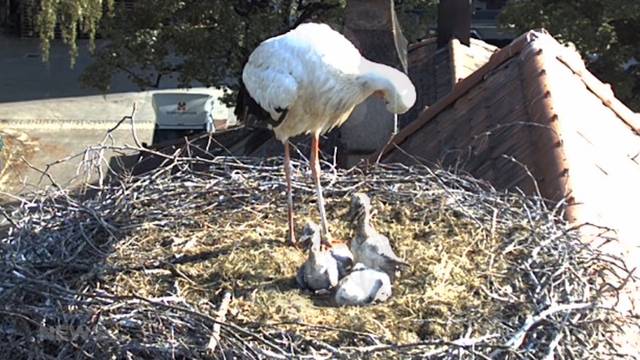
532,117
535,108
434,71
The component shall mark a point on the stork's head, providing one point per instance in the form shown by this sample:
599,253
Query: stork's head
390,84
311,236
360,207
401,95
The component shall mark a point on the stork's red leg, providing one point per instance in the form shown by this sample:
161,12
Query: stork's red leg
315,170
287,172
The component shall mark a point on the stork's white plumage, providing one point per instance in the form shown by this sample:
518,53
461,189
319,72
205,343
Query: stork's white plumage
309,80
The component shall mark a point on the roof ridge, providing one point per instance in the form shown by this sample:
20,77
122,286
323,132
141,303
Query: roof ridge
604,92
572,59
459,89
455,47
543,111
484,44
523,42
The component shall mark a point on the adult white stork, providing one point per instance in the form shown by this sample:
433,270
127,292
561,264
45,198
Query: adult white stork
308,80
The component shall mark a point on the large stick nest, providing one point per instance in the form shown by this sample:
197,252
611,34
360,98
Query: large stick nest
138,269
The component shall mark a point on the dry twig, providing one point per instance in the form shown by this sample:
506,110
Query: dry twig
130,270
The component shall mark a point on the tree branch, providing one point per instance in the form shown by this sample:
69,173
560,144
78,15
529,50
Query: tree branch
311,9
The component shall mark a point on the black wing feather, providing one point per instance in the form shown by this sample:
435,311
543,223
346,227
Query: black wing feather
251,114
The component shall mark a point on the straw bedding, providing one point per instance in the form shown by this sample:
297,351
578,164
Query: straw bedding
140,270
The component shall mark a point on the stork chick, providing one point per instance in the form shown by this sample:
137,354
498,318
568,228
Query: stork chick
320,271
369,247
363,286
338,249
341,252
308,81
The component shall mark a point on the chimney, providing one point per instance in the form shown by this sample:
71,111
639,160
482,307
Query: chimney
373,27
454,21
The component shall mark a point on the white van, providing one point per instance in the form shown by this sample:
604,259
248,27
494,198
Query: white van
183,111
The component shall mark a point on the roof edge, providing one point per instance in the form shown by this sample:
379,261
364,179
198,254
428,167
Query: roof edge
421,43
454,60
542,110
604,92
459,89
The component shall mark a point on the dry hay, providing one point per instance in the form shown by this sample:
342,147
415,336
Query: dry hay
140,270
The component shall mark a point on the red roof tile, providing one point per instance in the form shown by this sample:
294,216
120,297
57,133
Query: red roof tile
534,107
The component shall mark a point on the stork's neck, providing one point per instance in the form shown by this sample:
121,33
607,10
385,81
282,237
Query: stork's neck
394,85
315,243
375,77
363,224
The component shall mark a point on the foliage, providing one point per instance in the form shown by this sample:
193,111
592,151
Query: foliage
71,15
606,32
416,16
198,42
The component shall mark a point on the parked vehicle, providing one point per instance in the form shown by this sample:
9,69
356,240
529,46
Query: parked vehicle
180,114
